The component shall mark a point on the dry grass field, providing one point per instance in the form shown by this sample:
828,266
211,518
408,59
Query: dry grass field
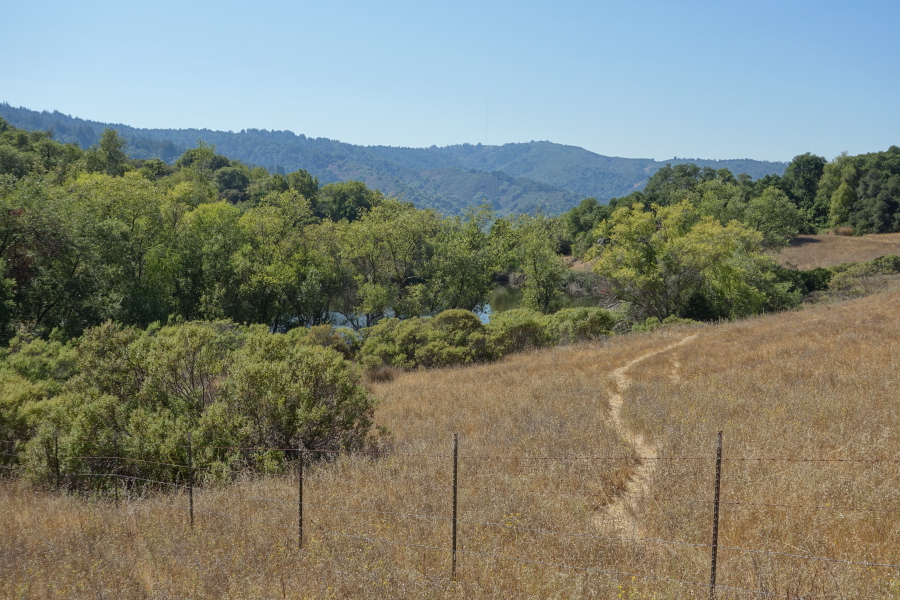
811,251
584,472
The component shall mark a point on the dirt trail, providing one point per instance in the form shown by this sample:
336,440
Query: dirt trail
619,513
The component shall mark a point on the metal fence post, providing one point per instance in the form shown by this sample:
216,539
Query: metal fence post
715,531
56,459
190,480
301,459
115,478
455,500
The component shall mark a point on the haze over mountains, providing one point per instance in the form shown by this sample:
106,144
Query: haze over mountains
517,177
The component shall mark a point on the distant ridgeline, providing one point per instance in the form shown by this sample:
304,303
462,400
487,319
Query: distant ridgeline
514,178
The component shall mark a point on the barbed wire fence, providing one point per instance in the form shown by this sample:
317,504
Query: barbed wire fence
104,476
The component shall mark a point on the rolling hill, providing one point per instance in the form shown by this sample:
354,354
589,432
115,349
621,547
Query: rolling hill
517,177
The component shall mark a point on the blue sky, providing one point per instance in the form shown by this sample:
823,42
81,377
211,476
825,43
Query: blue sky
764,80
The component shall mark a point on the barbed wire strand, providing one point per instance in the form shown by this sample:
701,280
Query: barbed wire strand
652,577
478,457
811,557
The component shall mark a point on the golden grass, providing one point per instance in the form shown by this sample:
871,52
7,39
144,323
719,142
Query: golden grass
819,383
811,251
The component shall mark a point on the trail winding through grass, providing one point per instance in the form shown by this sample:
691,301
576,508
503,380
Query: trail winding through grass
617,513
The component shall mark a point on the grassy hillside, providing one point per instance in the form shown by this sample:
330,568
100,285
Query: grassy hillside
585,472
811,251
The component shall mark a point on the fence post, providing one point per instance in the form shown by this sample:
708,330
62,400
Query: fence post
56,458
115,477
715,531
455,500
190,479
301,459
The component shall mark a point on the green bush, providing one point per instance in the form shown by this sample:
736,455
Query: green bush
518,329
342,339
572,325
652,323
887,264
522,328
861,279
452,337
243,394
805,282
456,337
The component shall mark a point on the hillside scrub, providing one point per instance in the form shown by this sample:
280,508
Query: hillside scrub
862,279
139,395
458,337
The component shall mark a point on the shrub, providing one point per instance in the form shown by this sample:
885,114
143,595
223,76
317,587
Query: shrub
450,338
887,264
287,394
857,280
652,323
343,340
806,282
140,394
518,329
571,325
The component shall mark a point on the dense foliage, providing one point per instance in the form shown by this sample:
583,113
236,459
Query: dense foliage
251,271
89,236
142,395
849,195
512,177
672,260
458,337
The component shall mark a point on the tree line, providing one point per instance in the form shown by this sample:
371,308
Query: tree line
142,301
91,235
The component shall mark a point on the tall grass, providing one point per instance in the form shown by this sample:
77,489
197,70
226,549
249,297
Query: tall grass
811,251
541,463
816,390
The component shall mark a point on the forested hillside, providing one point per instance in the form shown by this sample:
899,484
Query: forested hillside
569,167
512,178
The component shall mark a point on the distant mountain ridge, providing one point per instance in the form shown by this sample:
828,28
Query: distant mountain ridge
516,177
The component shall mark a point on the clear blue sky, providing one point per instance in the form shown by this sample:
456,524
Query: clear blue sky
765,80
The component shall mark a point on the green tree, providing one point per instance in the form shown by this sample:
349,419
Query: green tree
842,201
528,244
775,216
285,280
672,261
109,156
387,252
304,183
580,223
841,170
204,243
801,182
232,183
343,200
460,271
